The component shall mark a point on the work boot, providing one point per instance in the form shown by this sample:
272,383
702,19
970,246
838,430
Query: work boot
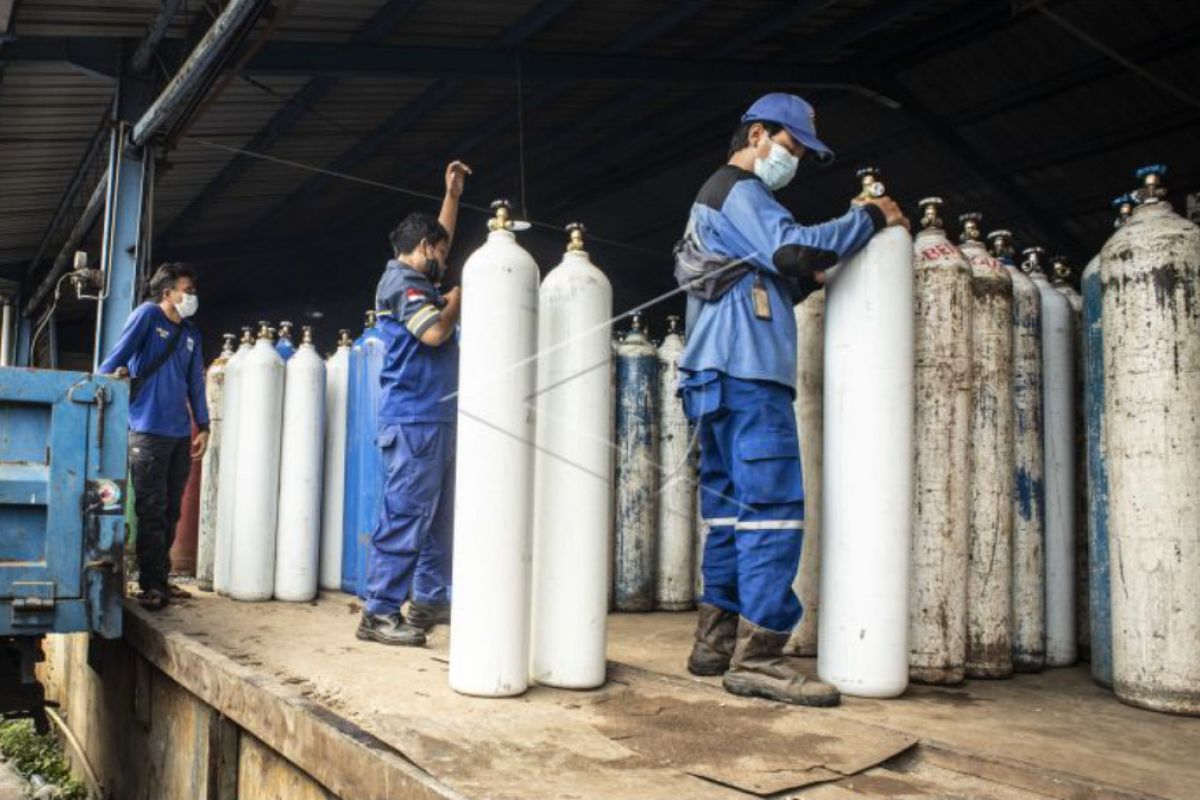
716,630
426,615
389,629
760,669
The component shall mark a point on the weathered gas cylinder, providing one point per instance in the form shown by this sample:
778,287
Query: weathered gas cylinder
809,405
284,345
1150,273
862,633
1060,279
256,502
1099,580
989,573
298,533
1029,516
637,471
493,515
937,636
674,581
1058,384
210,465
701,527
227,485
364,462
184,548
337,374
573,464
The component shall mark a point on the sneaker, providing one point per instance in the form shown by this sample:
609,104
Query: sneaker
389,629
426,615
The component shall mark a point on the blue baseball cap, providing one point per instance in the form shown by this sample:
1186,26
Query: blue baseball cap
795,115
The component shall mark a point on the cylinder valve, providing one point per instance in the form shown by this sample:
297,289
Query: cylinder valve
306,335
971,228
1123,205
1032,264
576,230
871,185
931,213
1152,189
247,335
1060,269
672,324
1000,243
344,339
228,343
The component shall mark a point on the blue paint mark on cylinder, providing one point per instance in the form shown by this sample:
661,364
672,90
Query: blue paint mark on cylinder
1099,596
636,493
364,464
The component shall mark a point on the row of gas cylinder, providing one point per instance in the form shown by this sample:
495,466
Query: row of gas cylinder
1047,432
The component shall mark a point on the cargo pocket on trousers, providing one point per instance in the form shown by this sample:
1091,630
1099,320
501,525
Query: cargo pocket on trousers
769,467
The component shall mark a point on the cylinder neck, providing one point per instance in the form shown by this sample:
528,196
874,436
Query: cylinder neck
306,335
575,243
247,336
1000,245
344,339
229,340
369,319
285,330
673,326
931,220
972,232
1031,262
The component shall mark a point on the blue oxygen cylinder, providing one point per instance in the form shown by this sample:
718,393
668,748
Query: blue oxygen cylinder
1100,596
637,471
284,346
374,347
354,460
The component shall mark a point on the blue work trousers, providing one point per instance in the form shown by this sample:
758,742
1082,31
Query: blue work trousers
412,545
752,496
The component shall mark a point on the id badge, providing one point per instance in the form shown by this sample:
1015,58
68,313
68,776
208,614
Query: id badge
762,301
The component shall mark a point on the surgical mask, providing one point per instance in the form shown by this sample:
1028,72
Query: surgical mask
435,269
188,306
778,168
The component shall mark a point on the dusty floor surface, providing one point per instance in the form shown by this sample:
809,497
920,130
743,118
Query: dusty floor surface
655,732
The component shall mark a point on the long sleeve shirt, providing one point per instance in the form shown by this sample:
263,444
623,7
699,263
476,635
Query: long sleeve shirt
162,404
735,215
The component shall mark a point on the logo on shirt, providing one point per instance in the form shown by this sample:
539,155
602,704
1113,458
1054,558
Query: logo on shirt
191,344
163,333
415,295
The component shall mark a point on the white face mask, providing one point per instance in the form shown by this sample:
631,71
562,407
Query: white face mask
188,306
778,168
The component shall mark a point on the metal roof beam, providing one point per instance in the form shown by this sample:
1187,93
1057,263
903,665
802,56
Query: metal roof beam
378,27
441,90
154,36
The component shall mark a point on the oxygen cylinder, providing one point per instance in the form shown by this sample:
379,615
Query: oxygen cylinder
1060,279
572,513
1029,520
701,527
187,530
227,483
337,374
637,471
364,463
612,473
862,634
210,465
1058,383
1099,580
674,582
1150,275
937,636
284,345
256,502
489,641
989,562
298,534
809,408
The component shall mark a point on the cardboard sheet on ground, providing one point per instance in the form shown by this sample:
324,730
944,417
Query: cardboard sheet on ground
758,747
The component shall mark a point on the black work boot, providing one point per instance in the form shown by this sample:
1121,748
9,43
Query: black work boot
716,631
759,669
389,629
426,615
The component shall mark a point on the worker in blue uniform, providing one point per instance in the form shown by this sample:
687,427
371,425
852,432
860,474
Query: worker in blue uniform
412,544
159,349
745,262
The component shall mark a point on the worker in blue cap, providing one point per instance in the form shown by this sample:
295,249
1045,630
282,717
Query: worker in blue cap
412,544
744,262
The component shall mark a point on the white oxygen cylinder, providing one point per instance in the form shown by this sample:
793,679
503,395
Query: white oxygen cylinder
1058,392
256,504
493,516
674,579
989,576
809,408
1060,279
1150,272
937,636
701,527
298,533
572,512
862,634
337,376
210,466
227,485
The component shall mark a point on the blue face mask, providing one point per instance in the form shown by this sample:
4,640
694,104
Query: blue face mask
778,168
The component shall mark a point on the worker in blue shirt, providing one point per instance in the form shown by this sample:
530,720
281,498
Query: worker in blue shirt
412,545
159,350
745,262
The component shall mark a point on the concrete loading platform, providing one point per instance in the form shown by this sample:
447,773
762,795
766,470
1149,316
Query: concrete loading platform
217,700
